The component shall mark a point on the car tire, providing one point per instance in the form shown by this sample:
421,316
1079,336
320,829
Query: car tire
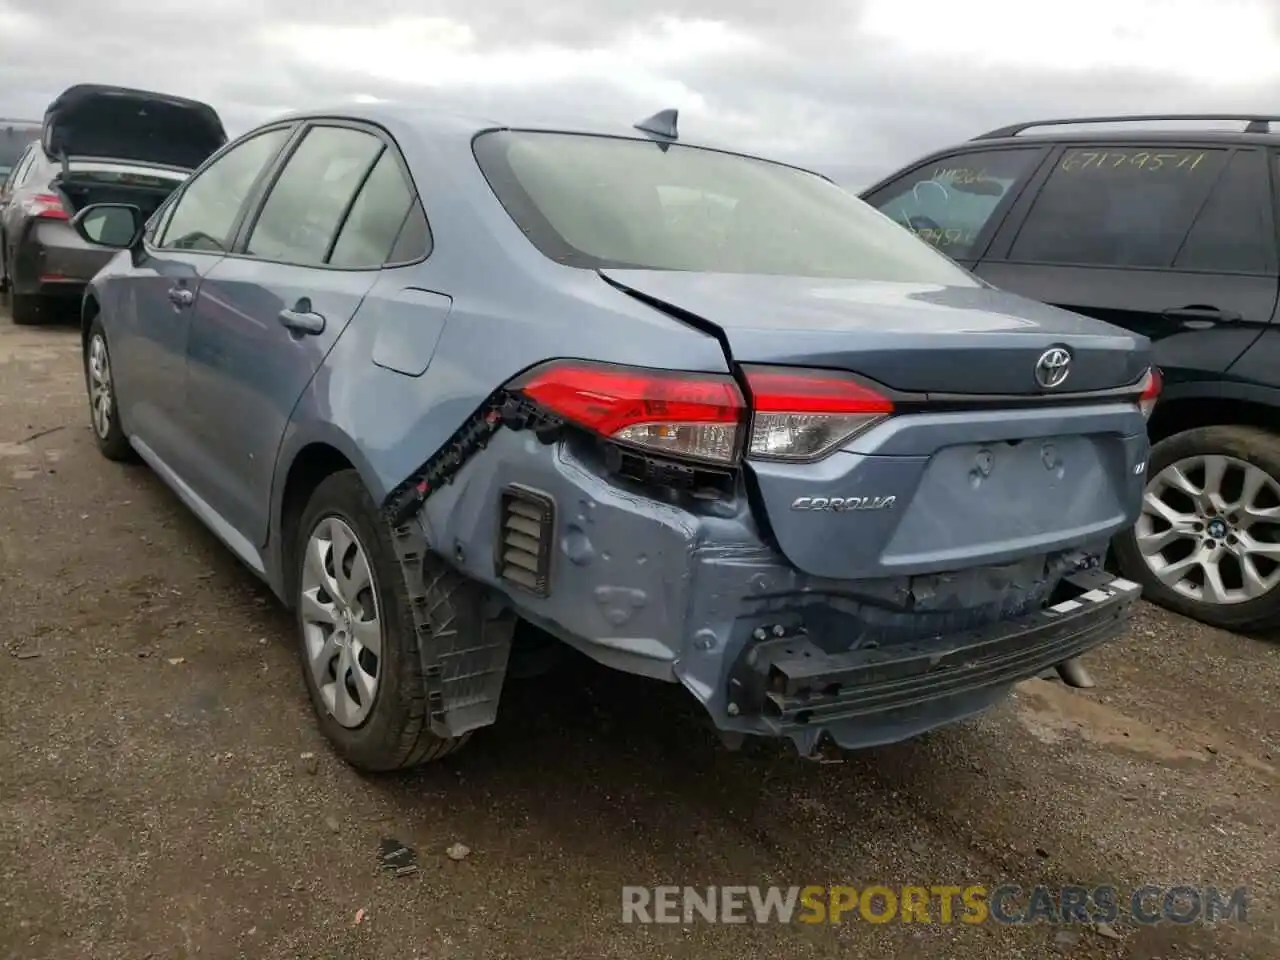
389,728
1241,466
26,309
104,411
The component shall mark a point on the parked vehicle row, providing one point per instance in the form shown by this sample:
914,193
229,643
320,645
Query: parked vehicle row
704,417
96,144
1170,234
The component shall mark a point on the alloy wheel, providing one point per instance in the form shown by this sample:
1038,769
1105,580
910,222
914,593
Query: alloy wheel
101,397
1210,529
341,627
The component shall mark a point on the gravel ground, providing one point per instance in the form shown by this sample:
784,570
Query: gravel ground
165,794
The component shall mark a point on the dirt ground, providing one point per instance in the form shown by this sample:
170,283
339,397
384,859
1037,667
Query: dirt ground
157,799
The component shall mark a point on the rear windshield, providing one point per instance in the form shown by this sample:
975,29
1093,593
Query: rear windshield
591,201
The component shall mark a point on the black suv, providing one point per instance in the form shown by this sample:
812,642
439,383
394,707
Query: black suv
1171,233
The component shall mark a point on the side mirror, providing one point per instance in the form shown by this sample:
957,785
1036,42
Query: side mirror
117,225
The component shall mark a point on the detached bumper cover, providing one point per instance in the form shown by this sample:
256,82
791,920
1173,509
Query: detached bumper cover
790,686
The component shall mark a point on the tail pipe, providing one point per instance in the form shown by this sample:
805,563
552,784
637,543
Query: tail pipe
1073,674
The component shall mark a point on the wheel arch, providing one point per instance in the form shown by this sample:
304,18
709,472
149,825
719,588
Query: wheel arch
305,460
1210,404
90,308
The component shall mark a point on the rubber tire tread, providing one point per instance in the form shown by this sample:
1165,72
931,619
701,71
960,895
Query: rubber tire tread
116,446
1251,444
25,309
397,733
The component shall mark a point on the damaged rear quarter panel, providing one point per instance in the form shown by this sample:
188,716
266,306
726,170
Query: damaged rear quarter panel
511,308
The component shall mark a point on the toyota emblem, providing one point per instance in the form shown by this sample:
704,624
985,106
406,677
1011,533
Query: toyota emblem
1052,367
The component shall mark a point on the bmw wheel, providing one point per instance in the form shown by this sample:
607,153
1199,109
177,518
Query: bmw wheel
360,657
1207,543
104,414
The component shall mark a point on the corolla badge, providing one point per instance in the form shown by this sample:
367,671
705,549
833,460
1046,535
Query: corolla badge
1053,367
843,504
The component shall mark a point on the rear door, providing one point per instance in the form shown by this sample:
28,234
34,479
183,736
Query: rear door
270,313
957,201
1173,241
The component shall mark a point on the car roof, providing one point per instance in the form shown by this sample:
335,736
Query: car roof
1255,130
442,122
1126,135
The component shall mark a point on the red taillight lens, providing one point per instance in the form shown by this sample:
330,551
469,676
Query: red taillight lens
47,206
1151,386
694,415
804,415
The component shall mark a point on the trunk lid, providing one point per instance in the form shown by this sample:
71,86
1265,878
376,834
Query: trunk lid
933,489
92,120
914,338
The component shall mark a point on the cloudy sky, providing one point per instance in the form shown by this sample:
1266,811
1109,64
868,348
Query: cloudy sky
852,87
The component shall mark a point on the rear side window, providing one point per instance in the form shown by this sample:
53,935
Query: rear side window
11,174
414,241
209,205
14,142
370,230
1233,234
300,217
1118,206
950,202
19,175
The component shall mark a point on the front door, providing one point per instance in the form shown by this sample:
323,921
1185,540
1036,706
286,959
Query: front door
269,314
1175,242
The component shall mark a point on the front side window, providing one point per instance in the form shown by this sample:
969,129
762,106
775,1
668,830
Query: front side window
949,203
1118,206
206,212
301,214
590,201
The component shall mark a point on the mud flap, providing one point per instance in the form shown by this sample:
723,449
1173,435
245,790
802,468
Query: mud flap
463,674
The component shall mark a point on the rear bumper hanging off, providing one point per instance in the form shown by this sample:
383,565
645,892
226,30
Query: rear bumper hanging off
463,675
789,686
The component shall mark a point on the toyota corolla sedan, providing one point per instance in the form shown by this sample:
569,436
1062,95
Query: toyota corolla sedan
705,417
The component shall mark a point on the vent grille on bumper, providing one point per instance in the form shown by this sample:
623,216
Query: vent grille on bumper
525,539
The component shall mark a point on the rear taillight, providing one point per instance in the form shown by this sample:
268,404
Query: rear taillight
803,415
46,206
1151,385
688,415
797,415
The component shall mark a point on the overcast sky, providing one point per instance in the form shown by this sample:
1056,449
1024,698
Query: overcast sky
854,88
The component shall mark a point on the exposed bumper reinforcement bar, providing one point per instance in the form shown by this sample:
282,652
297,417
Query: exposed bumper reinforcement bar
795,688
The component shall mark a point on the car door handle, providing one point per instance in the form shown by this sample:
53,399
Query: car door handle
301,321
1198,317
181,296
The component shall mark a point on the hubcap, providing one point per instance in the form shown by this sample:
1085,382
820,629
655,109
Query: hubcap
100,394
1210,529
340,623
